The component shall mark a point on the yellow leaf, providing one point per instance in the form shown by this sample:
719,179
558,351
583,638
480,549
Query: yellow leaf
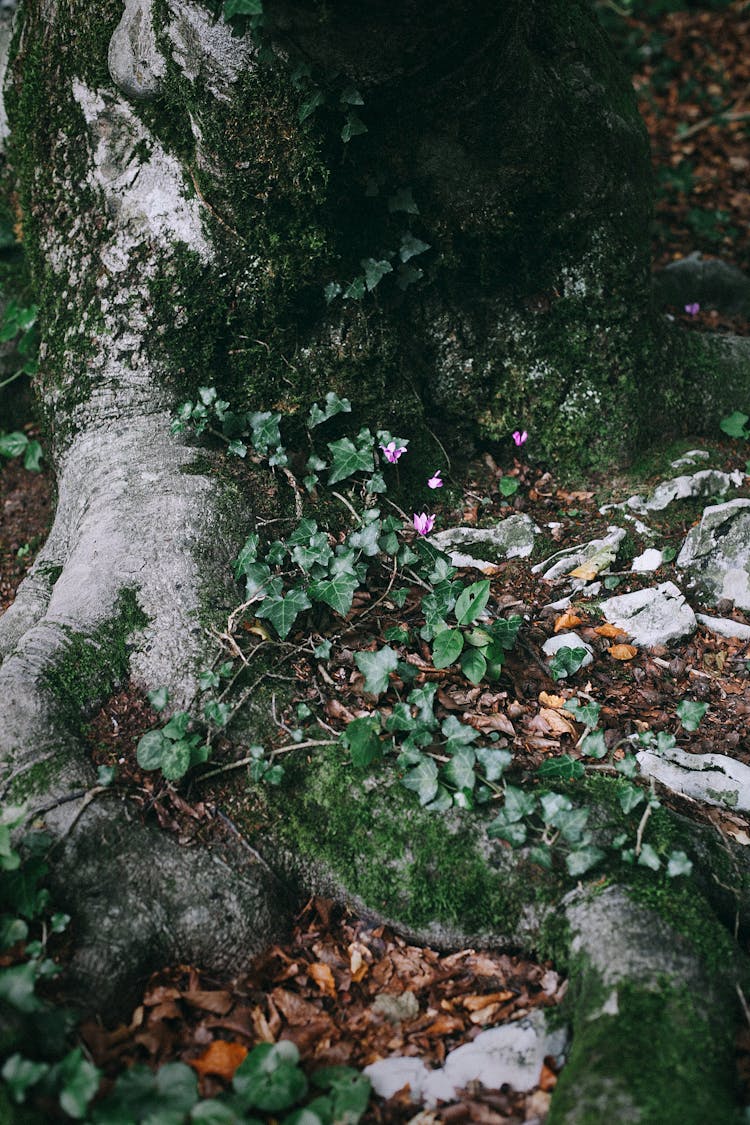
623,652
556,701
567,621
608,630
590,567
323,977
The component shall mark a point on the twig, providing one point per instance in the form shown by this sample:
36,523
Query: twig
346,503
743,1002
244,843
718,118
279,750
213,210
298,509
13,378
88,798
641,830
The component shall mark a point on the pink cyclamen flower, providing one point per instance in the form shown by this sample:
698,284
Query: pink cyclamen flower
435,481
392,452
693,309
520,436
423,523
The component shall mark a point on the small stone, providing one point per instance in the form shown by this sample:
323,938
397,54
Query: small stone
714,779
562,562
706,482
388,1076
651,559
716,553
689,458
725,626
568,640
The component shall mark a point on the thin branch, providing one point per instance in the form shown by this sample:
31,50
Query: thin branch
641,830
230,766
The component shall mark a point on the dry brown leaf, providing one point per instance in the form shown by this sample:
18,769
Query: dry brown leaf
209,1001
323,977
487,723
475,1002
220,1058
622,652
557,723
547,700
567,620
293,1008
547,1079
608,630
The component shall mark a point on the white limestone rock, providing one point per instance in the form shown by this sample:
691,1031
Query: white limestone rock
562,562
725,627
480,547
513,1053
689,458
716,554
651,559
135,63
653,616
712,778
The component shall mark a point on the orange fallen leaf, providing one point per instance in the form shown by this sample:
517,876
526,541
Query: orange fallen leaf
567,620
220,1058
547,700
623,652
608,630
323,977
475,1002
547,1079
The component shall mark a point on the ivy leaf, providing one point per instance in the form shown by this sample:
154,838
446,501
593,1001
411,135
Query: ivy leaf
517,804
630,798
423,780
355,290
80,1081
458,734
678,864
32,456
552,805
494,762
365,538
563,768
403,200
376,668
566,661
541,855
308,107
331,291
459,771
351,96
362,741
247,555
423,698
411,247
317,550
237,448
649,858
408,275
505,630
333,405
665,742
347,459
400,718
354,126
375,271
447,647
158,698
337,592
690,713
242,8
594,745
514,832
282,611
217,713
735,425
587,713
177,726
473,665
265,430
582,859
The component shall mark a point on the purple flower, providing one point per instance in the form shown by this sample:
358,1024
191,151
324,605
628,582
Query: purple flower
392,452
435,481
520,436
693,309
423,523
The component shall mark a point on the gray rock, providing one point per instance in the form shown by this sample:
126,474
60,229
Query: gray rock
725,626
712,778
714,284
689,458
388,1076
653,616
706,482
562,562
568,640
135,63
203,46
481,547
716,553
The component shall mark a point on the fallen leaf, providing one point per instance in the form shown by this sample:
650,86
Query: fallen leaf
475,1003
622,652
323,977
557,723
608,630
547,1079
209,1001
547,700
567,621
487,723
590,567
220,1058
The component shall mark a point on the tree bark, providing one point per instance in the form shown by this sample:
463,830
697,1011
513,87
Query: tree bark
183,213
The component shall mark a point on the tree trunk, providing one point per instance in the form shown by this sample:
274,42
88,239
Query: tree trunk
194,216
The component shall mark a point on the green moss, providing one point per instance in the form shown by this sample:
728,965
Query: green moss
388,852
92,666
660,1053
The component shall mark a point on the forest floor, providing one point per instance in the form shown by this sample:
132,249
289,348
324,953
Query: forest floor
692,75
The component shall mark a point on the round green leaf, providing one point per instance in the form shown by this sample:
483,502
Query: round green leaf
446,648
175,761
150,750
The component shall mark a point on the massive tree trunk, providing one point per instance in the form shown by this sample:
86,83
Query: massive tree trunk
186,197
